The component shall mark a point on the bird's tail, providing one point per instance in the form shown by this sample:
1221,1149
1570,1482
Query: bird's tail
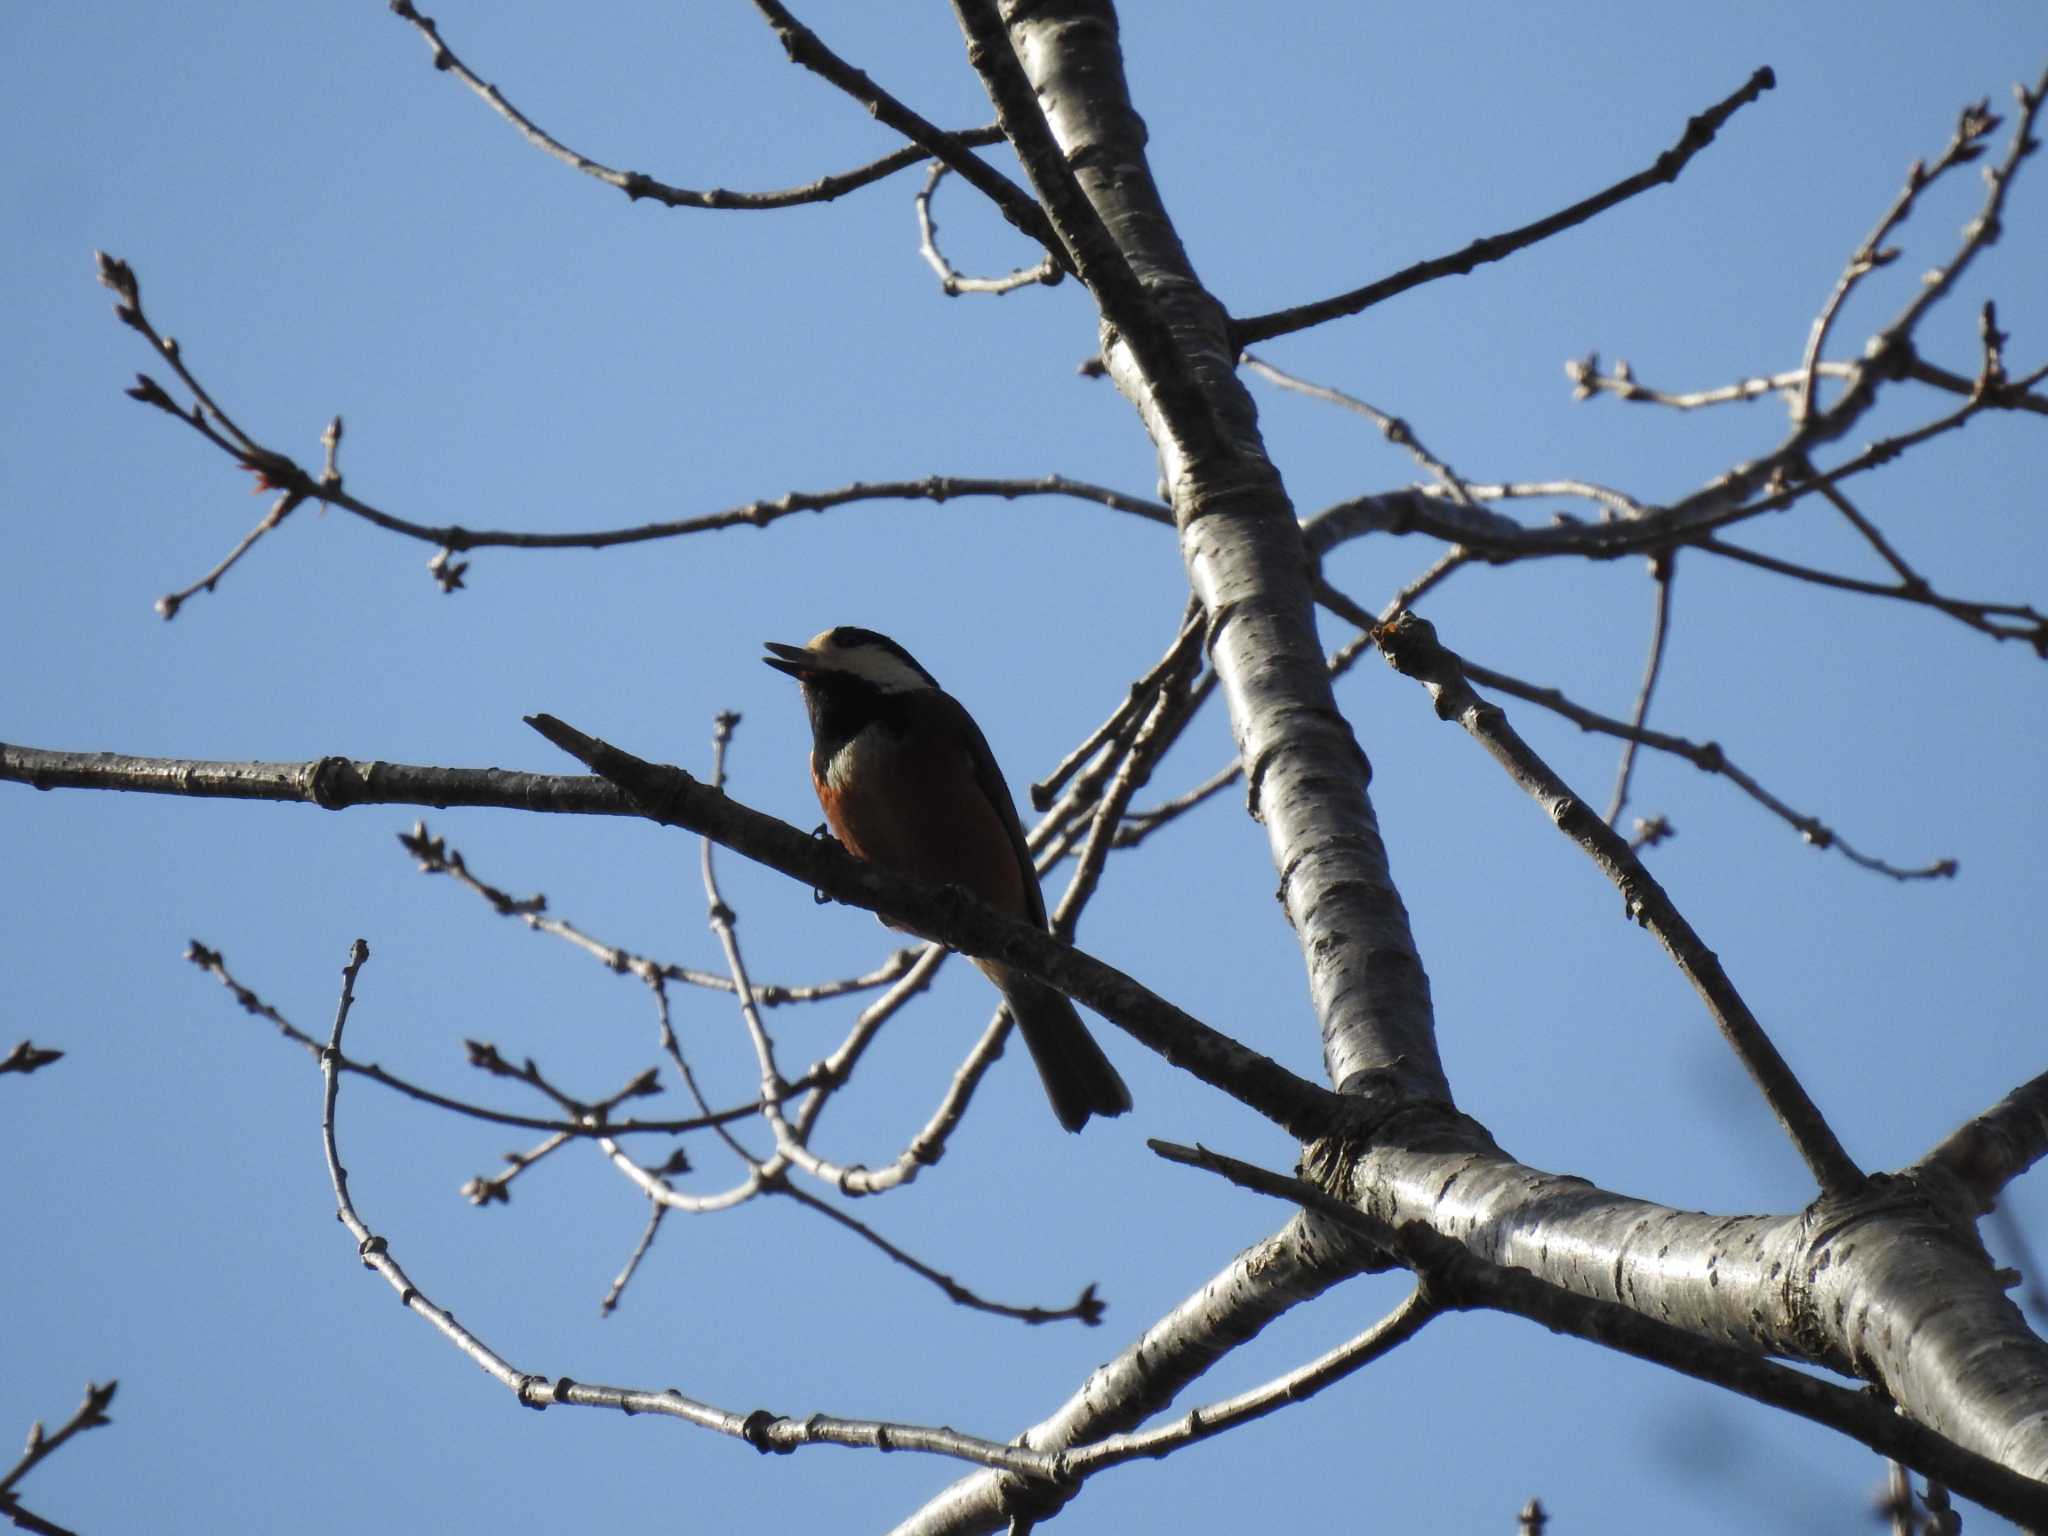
1078,1078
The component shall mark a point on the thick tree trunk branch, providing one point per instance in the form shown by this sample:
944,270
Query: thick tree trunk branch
1294,1265
674,798
1243,551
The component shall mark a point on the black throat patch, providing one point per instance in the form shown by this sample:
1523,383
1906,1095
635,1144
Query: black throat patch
841,707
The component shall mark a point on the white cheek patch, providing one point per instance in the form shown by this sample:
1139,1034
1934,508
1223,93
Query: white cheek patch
882,670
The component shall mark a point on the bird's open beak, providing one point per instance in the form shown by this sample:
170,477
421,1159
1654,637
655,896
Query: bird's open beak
793,659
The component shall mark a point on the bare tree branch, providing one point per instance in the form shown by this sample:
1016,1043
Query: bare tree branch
951,282
1699,133
672,797
1708,757
1296,1265
1662,569
1392,428
215,964
91,1414
1989,1152
1452,1276
1298,1385
278,471
1411,647
952,916
1100,259
1973,125
636,185
2001,621
805,47
1588,380
435,857
760,1429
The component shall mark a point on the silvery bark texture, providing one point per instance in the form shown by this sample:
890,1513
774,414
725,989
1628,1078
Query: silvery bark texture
1306,774
1887,1283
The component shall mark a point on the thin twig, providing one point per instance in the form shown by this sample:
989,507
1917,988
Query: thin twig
278,471
1708,757
1588,381
90,1414
1122,719
1439,570
1393,428
1973,125
1173,704
497,1189
804,47
2001,621
212,962
1699,133
724,927
1086,1308
1662,569
1198,1424
637,186
1047,271
486,1057
169,604
1782,475
761,1429
656,1213
435,857
1832,494
750,1183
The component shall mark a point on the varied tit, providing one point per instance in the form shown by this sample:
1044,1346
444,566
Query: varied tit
907,782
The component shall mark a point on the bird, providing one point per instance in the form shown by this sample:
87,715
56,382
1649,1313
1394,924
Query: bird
907,782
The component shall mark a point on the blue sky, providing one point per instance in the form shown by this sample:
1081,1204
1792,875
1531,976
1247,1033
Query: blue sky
328,226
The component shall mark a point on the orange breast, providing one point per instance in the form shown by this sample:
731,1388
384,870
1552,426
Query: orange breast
913,804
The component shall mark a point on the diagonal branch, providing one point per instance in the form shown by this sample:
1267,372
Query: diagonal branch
1973,125
434,856
1708,758
636,185
951,916
91,1414
1990,1151
1273,1276
1699,133
805,47
2001,621
1663,568
1393,428
673,798
1411,647
1098,257
1414,1313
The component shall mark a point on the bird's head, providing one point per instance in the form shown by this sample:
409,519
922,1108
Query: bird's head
849,655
